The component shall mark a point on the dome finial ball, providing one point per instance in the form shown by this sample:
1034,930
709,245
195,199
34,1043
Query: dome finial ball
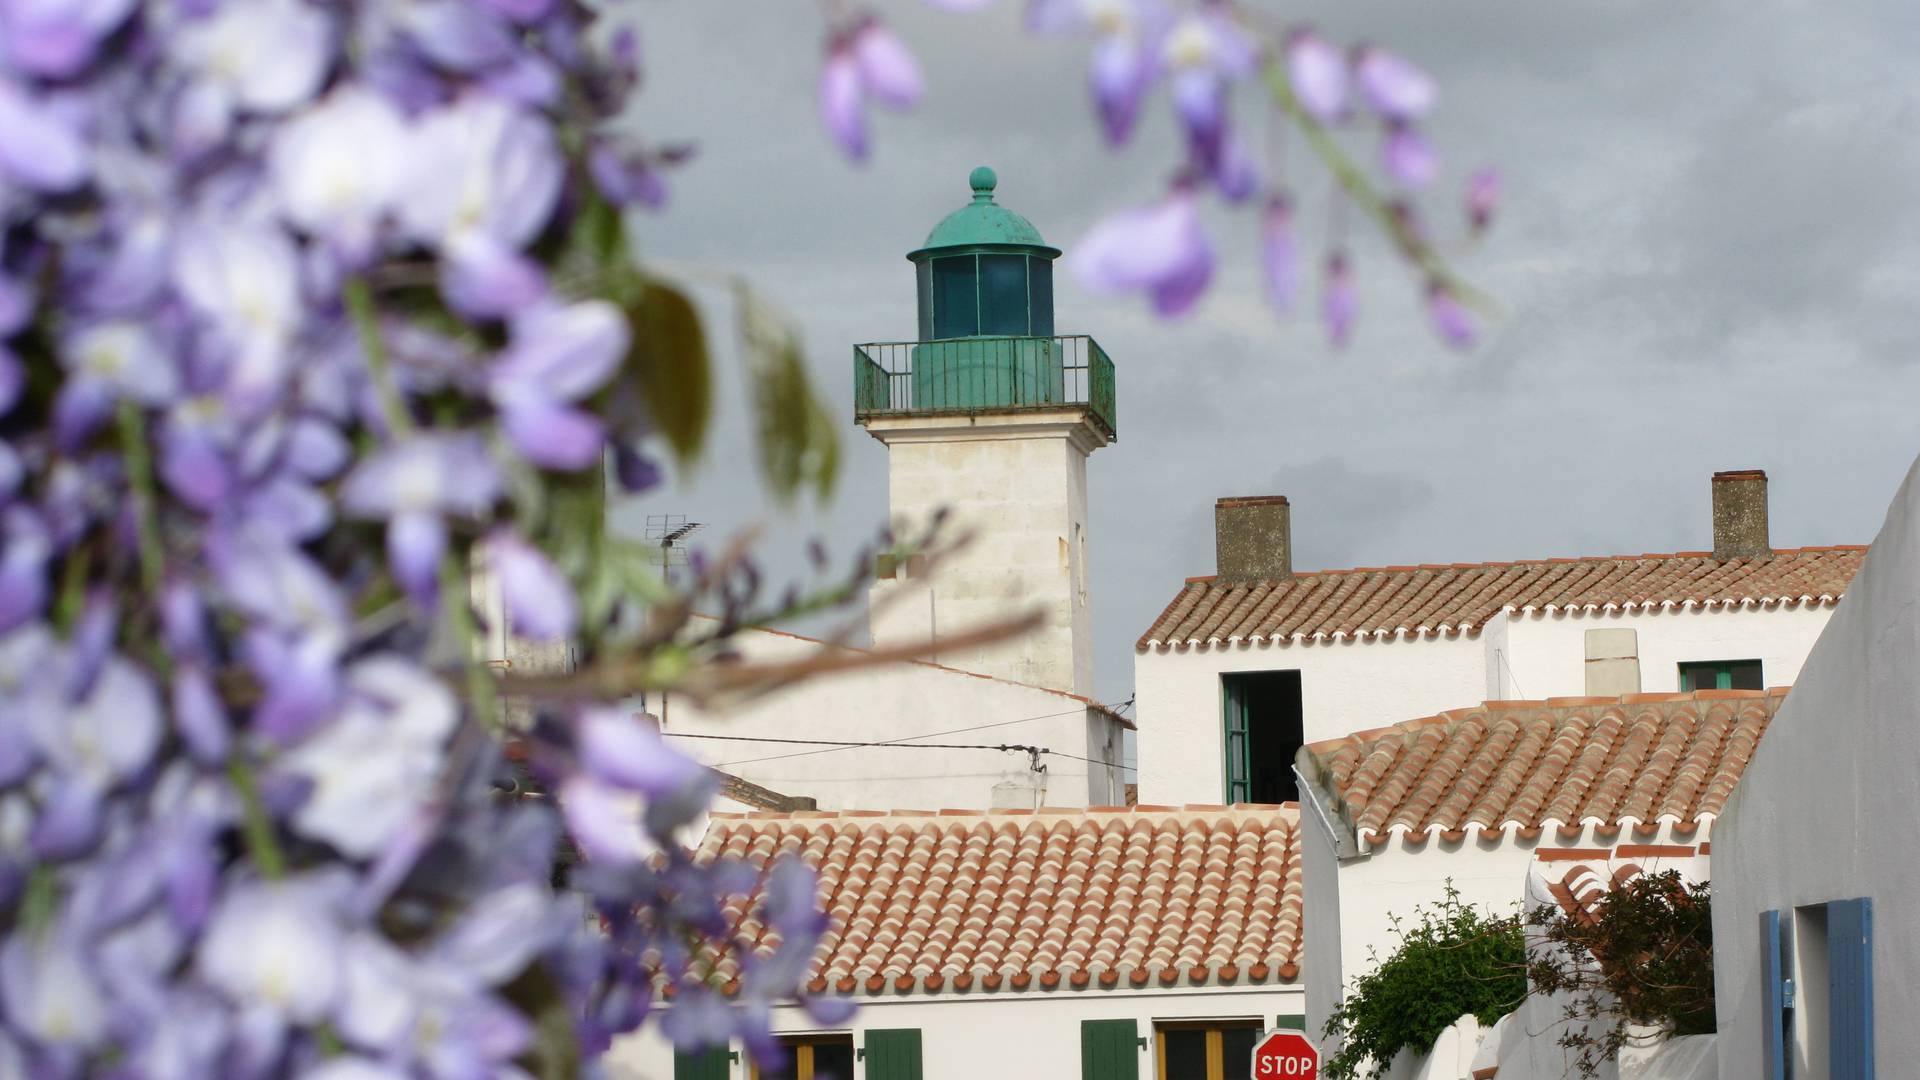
983,181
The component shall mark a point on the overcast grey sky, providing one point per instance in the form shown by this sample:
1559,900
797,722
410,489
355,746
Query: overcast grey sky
1709,258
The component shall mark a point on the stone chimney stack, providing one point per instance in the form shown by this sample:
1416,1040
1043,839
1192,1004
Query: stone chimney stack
1253,538
1740,515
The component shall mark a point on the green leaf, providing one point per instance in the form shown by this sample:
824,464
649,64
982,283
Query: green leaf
798,441
670,366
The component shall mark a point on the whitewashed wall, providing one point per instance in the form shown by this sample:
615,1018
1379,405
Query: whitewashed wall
1826,809
1546,653
1344,687
1348,686
1370,889
1008,1036
891,702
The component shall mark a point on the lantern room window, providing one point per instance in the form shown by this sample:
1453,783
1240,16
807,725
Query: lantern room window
985,294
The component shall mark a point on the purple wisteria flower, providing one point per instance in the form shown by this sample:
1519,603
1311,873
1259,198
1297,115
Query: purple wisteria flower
483,179
1317,72
374,766
1127,51
1160,249
558,355
1450,318
867,60
1482,198
1204,53
1392,86
539,602
1280,257
1339,300
414,486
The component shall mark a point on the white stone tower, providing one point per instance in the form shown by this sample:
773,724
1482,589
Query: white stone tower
989,416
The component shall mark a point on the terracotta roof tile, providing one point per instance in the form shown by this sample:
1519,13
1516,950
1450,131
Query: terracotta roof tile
1384,601
1526,764
1102,897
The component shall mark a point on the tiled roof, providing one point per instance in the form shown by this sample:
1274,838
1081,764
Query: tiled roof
1523,765
1422,600
962,900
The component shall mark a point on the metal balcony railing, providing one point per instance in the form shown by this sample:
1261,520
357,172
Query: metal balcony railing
981,375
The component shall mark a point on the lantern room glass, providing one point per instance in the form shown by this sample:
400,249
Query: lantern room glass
985,294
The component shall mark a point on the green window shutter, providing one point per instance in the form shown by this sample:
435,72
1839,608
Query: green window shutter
893,1054
1238,772
708,1064
1109,1050
1850,989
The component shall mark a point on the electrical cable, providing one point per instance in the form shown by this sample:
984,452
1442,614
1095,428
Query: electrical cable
905,740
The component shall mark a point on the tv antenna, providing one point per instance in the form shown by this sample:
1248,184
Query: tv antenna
669,533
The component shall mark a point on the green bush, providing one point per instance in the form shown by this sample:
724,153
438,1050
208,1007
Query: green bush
1652,939
1450,962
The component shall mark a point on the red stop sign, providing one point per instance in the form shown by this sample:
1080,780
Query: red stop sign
1285,1055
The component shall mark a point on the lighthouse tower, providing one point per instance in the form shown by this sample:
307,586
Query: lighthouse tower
989,416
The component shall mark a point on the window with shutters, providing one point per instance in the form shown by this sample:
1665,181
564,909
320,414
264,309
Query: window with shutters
1721,675
810,1057
1205,1050
1262,729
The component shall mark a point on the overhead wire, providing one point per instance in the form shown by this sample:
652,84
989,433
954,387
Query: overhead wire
905,740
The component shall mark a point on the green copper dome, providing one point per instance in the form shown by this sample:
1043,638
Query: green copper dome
983,223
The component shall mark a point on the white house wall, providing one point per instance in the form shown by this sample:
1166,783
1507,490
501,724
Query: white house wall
891,702
1006,1036
1545,654
1826,809
1348,686
1370,891
1344,687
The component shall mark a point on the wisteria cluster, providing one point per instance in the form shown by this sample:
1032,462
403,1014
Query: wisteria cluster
1198,50
310,313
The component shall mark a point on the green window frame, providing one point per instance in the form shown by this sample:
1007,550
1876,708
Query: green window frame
1722,675
1236,768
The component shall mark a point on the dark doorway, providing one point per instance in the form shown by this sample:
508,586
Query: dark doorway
1263,732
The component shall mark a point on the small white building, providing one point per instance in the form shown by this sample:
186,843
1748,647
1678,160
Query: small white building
1105,945
826,738
1479,797
1816,899
1248,664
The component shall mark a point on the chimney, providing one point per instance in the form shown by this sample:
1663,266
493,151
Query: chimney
1253,538
1740,515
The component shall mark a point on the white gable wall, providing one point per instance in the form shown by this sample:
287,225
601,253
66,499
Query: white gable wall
1371,889
1546,652
1825,810
1344,686
1348,686
890,702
